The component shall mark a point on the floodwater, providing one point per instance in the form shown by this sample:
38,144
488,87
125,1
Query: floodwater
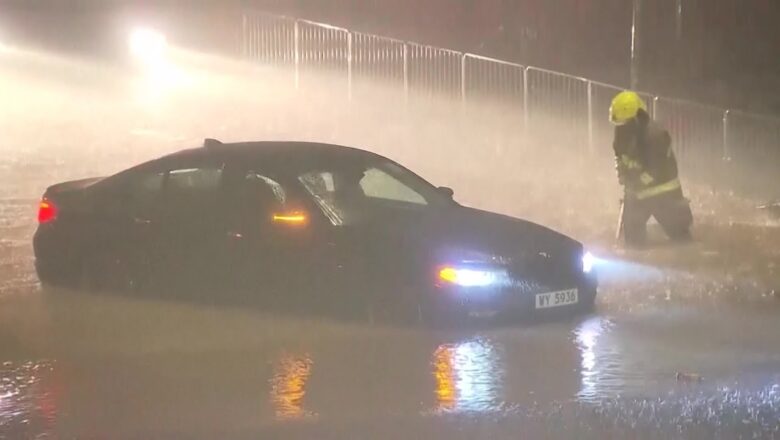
78,365
685,341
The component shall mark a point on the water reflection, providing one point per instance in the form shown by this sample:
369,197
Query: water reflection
29,396
288,386
469,376
593,370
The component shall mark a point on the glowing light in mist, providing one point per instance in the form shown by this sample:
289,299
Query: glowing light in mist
159,75
148,45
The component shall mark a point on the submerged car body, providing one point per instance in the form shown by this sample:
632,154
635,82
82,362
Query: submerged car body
292,223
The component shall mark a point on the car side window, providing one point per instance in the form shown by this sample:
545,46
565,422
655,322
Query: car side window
265,187
192,182
146,188
261,195
192,190
378,184
138,195
321,186
257,202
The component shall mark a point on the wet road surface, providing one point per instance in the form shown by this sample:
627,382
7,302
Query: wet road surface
77,365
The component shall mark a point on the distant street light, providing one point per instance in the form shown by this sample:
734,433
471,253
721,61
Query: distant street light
148,45
157,74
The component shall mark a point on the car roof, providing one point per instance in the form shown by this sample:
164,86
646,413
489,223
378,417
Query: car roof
289,152
282,157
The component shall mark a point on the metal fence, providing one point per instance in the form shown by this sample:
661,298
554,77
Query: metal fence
378,58
733,150
487,78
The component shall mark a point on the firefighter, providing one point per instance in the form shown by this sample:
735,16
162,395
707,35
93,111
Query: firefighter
647,170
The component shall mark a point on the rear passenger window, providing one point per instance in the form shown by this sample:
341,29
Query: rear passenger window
193,181
139,194
192,192
145,188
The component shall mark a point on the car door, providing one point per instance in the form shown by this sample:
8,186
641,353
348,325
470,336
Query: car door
274,246
191,228
125,230
369,243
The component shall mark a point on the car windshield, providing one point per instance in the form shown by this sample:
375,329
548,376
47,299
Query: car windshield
349,194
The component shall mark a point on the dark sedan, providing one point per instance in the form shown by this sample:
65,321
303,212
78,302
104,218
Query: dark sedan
305,225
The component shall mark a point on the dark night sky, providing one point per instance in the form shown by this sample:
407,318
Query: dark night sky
727,53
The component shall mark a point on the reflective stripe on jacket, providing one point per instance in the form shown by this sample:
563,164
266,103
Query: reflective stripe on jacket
657,190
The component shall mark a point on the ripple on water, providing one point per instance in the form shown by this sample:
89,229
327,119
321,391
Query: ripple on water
30,394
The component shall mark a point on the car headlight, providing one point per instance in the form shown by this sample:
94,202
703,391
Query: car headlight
472,277
588,262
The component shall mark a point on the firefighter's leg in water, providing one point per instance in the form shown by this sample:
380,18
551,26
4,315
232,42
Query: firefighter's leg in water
673,213
636,213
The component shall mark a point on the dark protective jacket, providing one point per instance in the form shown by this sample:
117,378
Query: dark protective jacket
644,159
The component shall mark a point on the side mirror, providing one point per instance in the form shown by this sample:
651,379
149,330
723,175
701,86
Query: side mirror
446,191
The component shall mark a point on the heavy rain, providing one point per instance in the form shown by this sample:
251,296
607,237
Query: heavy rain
684,339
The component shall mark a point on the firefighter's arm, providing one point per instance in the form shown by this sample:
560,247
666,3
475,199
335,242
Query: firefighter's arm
658,157
621,170
629,171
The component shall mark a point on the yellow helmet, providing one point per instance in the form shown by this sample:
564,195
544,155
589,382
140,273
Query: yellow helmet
625,106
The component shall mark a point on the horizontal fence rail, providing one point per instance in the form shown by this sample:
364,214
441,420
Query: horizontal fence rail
714,146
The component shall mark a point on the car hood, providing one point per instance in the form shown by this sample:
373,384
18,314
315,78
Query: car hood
466,234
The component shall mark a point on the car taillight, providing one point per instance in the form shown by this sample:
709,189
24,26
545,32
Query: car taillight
47,211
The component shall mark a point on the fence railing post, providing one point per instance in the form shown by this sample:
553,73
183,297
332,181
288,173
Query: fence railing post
244,45
406,71
726,146
349,66
463,78
297,49
525,101
655,107
591,146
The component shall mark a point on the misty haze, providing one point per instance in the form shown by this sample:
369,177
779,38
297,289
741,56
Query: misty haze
670,339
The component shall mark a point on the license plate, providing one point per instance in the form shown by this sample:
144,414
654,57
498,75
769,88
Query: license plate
556,299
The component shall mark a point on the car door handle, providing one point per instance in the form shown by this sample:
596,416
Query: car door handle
141,221
235,235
